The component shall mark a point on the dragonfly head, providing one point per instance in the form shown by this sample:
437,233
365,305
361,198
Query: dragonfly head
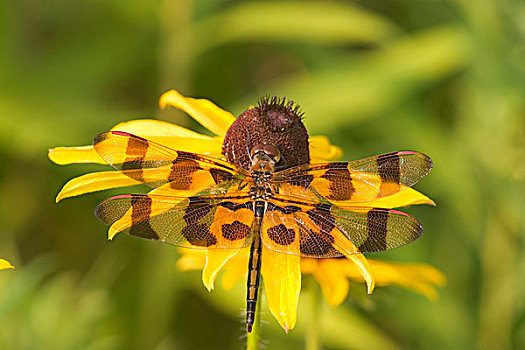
264,157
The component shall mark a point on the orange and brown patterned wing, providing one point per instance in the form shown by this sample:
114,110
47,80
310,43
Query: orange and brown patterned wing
358,181
199,222
326,231
157,165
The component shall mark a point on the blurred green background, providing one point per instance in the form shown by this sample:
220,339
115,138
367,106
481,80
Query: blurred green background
446,78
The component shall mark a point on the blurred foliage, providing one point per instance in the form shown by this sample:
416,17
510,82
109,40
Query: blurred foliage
443,77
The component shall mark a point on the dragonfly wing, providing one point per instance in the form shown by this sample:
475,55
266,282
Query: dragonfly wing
200,222
355,182
322,230
160,166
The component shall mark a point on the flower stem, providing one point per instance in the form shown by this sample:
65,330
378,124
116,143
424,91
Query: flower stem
312,333
253,340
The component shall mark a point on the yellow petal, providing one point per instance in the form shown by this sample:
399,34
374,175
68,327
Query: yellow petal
309,265
191,259
152,127
215,260
87,154
235,270
208,145
71,155
162,132
401,199
348,249
321,150
282,283
212,117
93,182
4,264
332,279
361,264
420,278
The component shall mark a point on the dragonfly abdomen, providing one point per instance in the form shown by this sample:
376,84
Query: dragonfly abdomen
254,268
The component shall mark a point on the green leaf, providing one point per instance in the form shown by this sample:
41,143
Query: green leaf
320,23
367,84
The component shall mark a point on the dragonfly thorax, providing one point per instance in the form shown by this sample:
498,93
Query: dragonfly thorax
260,192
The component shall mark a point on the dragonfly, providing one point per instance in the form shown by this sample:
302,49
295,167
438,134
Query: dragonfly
313,210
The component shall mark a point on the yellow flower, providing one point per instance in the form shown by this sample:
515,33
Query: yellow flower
4,264
331,274
282,293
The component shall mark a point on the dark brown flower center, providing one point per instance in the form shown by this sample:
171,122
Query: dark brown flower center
274,121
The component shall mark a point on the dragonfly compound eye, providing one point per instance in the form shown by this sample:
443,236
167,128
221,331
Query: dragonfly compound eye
272,152
257,149
268,149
